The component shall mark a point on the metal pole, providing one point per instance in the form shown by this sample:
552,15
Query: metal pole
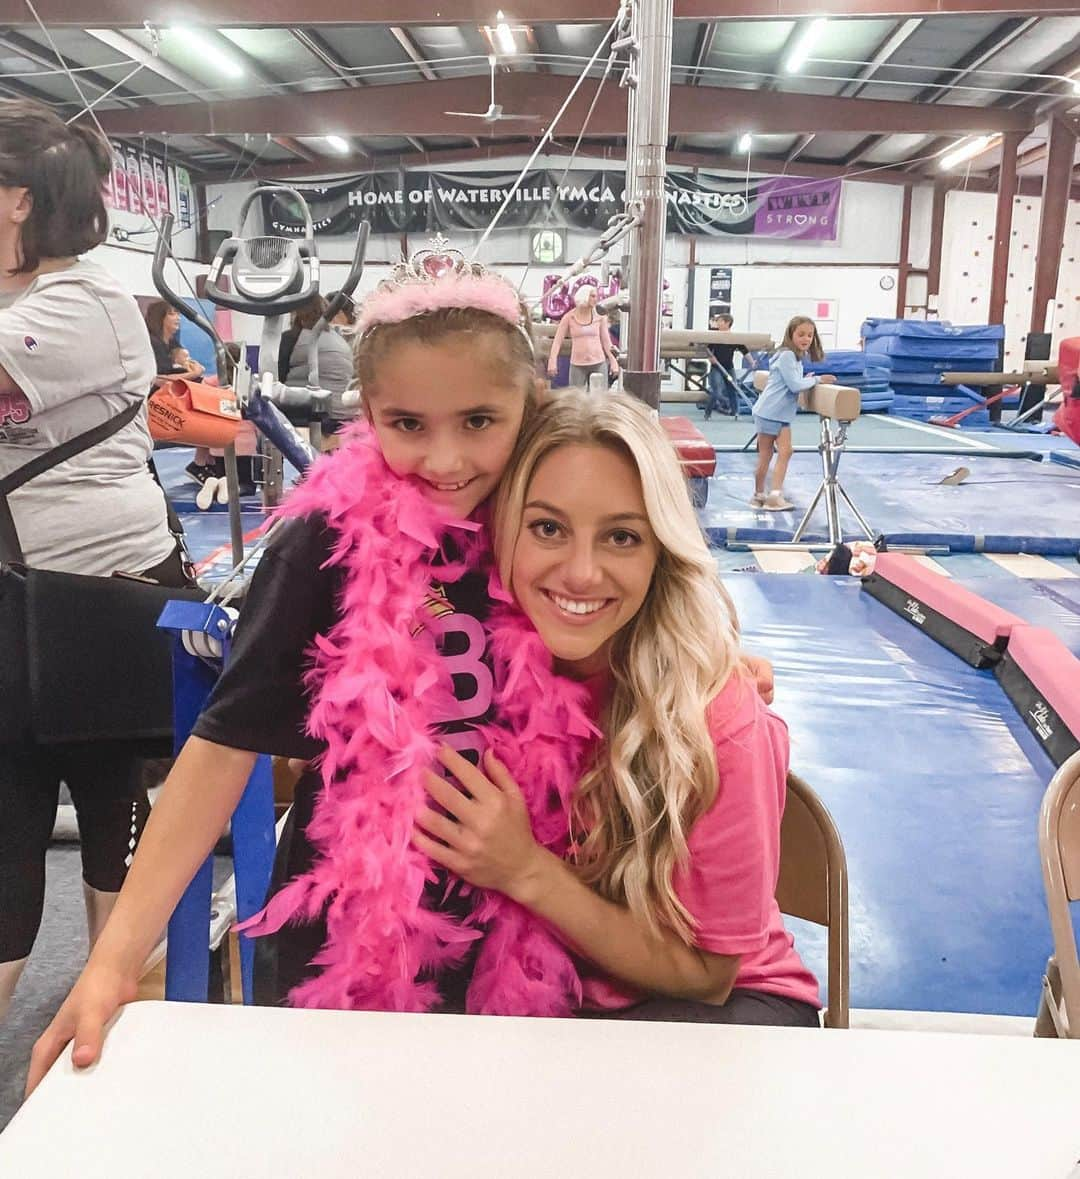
905,254
1006,194
1052,219
937,233
646,160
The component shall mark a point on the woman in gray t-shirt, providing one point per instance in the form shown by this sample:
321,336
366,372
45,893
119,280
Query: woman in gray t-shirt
73,353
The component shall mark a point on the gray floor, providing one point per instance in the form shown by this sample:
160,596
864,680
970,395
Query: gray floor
58,956
53,967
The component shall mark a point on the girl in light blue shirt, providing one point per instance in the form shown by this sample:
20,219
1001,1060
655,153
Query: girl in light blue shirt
775,409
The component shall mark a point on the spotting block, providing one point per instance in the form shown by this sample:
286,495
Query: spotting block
696,456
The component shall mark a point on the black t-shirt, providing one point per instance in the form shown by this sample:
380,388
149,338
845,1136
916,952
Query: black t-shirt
163,364
725,355
260,704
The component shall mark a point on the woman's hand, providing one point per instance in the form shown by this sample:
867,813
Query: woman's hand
613,367
485,837
826,379
96,997
552,370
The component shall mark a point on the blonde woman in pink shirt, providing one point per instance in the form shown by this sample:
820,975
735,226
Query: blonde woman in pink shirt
669,902
591,349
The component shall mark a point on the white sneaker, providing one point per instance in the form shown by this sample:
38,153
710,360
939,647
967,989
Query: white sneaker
222,492
206,493
757,500
775,502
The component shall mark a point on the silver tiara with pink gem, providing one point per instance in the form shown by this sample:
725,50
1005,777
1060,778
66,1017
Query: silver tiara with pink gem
436,278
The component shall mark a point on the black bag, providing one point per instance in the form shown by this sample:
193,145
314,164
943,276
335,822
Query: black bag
94,666
82,658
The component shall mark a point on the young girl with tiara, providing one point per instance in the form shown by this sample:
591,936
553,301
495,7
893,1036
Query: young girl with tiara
364,635
667,891
775,409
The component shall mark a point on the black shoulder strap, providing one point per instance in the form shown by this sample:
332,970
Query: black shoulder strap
10,549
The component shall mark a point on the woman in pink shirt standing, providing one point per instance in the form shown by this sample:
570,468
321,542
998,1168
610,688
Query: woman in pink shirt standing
591,350
669,903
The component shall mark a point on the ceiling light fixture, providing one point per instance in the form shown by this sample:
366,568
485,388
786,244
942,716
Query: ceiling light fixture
504,35
967,151
745,143
338,143
798,57
209,49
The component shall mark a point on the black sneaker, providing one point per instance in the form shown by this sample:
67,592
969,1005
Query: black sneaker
198,474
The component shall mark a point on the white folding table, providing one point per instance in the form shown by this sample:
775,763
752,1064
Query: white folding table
186,1091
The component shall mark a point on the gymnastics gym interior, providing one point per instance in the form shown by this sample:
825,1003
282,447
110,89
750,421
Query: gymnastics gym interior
907,176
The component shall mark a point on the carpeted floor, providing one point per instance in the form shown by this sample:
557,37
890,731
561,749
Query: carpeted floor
53,967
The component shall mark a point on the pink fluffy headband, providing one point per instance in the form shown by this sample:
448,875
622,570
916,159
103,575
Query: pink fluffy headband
437,278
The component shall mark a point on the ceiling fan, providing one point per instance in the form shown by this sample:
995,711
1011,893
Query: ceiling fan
494,113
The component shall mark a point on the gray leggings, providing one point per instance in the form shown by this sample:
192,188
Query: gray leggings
580,373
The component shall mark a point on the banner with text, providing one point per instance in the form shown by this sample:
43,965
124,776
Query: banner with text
426,202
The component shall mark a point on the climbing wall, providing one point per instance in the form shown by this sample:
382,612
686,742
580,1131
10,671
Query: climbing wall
967,265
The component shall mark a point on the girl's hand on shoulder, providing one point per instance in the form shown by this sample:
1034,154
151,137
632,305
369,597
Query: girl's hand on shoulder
95,999
760,670
485,836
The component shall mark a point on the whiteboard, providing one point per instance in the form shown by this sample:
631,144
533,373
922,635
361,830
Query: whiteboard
772,315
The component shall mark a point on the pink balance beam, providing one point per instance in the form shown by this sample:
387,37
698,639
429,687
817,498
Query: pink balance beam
960,620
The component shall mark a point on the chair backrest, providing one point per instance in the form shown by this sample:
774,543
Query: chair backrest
813,884
1059,849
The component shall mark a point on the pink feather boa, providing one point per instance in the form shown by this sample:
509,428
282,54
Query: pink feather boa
374,688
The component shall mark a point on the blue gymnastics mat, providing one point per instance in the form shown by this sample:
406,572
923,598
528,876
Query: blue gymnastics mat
1045,443
1052,604
935,785
1005,506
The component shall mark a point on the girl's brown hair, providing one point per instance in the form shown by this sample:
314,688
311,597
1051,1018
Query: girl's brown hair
64,167
815,351
509,352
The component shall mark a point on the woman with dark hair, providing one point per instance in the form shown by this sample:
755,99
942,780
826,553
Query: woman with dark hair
74,354
163,324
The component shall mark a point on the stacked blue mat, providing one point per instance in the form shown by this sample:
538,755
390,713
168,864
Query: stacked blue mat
915,353
850,367
853,367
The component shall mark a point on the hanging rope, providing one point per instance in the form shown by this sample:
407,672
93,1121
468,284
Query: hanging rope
545,138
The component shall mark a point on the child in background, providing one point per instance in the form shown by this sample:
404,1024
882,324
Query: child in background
723,398
362,641
775,409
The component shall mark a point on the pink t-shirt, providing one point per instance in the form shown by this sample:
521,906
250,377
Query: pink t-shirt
590,342
729,883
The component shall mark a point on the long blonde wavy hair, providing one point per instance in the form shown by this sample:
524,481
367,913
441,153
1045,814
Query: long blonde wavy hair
655,773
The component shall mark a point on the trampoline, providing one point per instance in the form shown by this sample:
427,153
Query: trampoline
935,784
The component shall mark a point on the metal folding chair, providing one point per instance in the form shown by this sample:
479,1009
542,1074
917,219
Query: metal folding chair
813,884
1059,849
